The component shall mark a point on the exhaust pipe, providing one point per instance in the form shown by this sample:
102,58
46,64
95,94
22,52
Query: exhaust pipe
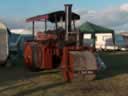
68,19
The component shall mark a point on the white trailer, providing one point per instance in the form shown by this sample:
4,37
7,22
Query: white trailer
4,49
103,41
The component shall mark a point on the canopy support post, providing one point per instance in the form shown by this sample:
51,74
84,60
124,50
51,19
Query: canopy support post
55,22
45,25
33,29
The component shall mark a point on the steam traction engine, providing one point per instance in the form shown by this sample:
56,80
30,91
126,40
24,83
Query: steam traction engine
61,47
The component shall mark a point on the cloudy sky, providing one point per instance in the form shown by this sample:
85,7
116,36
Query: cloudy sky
109,13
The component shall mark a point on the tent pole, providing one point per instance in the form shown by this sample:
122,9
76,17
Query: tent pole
113,36
74,24
94,39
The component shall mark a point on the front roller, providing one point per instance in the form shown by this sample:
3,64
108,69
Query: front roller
84,64
78,64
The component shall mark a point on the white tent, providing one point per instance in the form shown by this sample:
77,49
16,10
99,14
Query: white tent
21,31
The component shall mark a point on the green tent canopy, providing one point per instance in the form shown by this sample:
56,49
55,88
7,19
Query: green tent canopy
91,28
88,27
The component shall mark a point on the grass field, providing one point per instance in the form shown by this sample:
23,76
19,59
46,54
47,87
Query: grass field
18,81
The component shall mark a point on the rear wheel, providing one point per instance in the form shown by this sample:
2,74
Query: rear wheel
35,65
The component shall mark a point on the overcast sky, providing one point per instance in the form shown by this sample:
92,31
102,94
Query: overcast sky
109,13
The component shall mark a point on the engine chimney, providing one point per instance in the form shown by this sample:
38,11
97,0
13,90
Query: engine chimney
68,19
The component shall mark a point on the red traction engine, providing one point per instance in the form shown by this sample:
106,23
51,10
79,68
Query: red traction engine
60,47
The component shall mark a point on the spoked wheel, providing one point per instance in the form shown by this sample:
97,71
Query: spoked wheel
28,57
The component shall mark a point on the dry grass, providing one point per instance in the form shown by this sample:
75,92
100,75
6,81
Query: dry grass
18,81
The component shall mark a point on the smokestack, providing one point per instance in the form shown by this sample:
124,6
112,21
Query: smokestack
68,19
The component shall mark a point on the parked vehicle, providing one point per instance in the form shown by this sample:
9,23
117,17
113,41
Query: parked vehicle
9,45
